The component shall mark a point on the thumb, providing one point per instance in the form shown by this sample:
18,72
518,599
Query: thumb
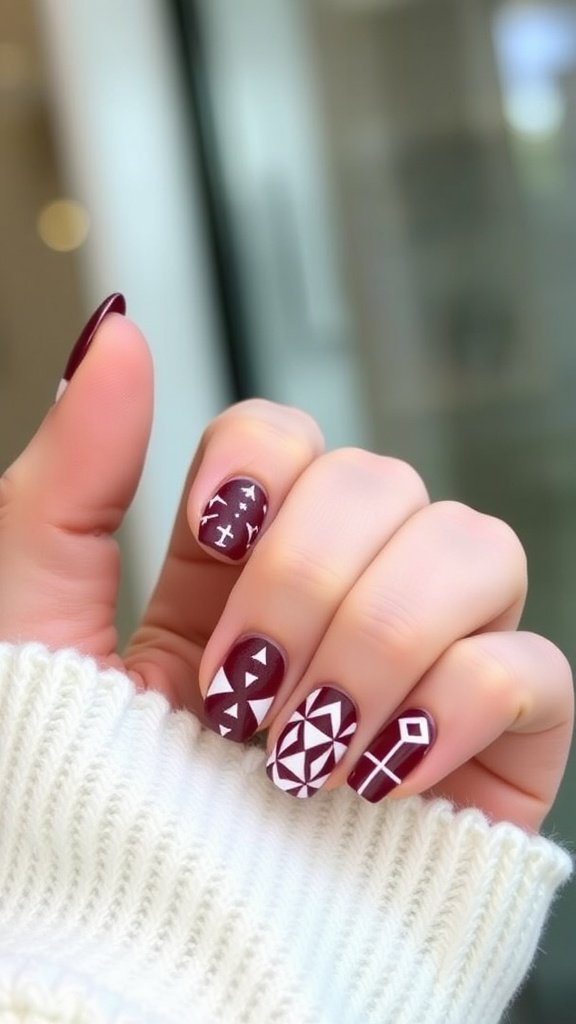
68,492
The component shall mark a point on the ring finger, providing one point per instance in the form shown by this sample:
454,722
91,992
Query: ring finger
447,573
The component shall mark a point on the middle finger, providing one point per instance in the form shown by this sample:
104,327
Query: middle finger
338,515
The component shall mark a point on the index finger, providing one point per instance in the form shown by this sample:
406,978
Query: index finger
254,453
255,443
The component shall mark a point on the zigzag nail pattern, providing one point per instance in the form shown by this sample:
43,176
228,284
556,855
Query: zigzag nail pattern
312,742
233,517
244,688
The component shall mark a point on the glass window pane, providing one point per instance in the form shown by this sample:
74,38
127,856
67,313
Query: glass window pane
399,182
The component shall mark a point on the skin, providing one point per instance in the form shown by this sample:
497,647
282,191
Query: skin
356,576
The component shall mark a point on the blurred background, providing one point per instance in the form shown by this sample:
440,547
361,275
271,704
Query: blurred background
363,207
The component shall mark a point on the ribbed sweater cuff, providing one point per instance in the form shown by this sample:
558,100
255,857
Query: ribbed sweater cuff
150,872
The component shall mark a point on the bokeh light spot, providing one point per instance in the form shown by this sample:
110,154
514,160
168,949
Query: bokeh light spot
63,225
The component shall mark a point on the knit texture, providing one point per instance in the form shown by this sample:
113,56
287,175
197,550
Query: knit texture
151,874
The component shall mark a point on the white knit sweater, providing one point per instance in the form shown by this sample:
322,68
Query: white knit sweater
151,874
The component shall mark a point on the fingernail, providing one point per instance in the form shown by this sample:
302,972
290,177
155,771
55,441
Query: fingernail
233,517
244,688
393,754
313,741
115,303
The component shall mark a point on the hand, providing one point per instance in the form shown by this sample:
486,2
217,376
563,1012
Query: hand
322,580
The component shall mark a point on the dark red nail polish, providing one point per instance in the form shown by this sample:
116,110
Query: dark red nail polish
115,303
313,741
244,688
393,754
233,517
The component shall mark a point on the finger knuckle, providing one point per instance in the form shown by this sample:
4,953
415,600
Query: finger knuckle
488,533
498,682
285,424
385,620
457,516
559,667
502,536
407,478
306,425
387,472
507,549
299,570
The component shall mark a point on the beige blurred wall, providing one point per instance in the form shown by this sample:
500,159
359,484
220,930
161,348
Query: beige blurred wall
41,307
